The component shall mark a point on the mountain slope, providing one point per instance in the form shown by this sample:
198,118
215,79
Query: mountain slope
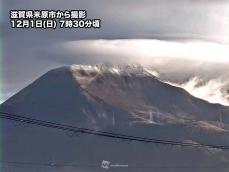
126,100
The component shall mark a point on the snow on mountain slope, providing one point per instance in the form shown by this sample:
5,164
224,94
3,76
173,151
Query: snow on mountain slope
126,100
138,92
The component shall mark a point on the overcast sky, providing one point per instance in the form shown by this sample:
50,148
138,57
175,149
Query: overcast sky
172,28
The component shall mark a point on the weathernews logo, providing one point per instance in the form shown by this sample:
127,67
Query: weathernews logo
107,165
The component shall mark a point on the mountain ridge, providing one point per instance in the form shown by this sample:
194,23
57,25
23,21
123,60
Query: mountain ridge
131,101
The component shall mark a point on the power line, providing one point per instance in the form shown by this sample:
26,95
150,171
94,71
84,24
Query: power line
16,163
23,119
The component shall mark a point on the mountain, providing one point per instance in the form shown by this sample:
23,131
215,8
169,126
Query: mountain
128,100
